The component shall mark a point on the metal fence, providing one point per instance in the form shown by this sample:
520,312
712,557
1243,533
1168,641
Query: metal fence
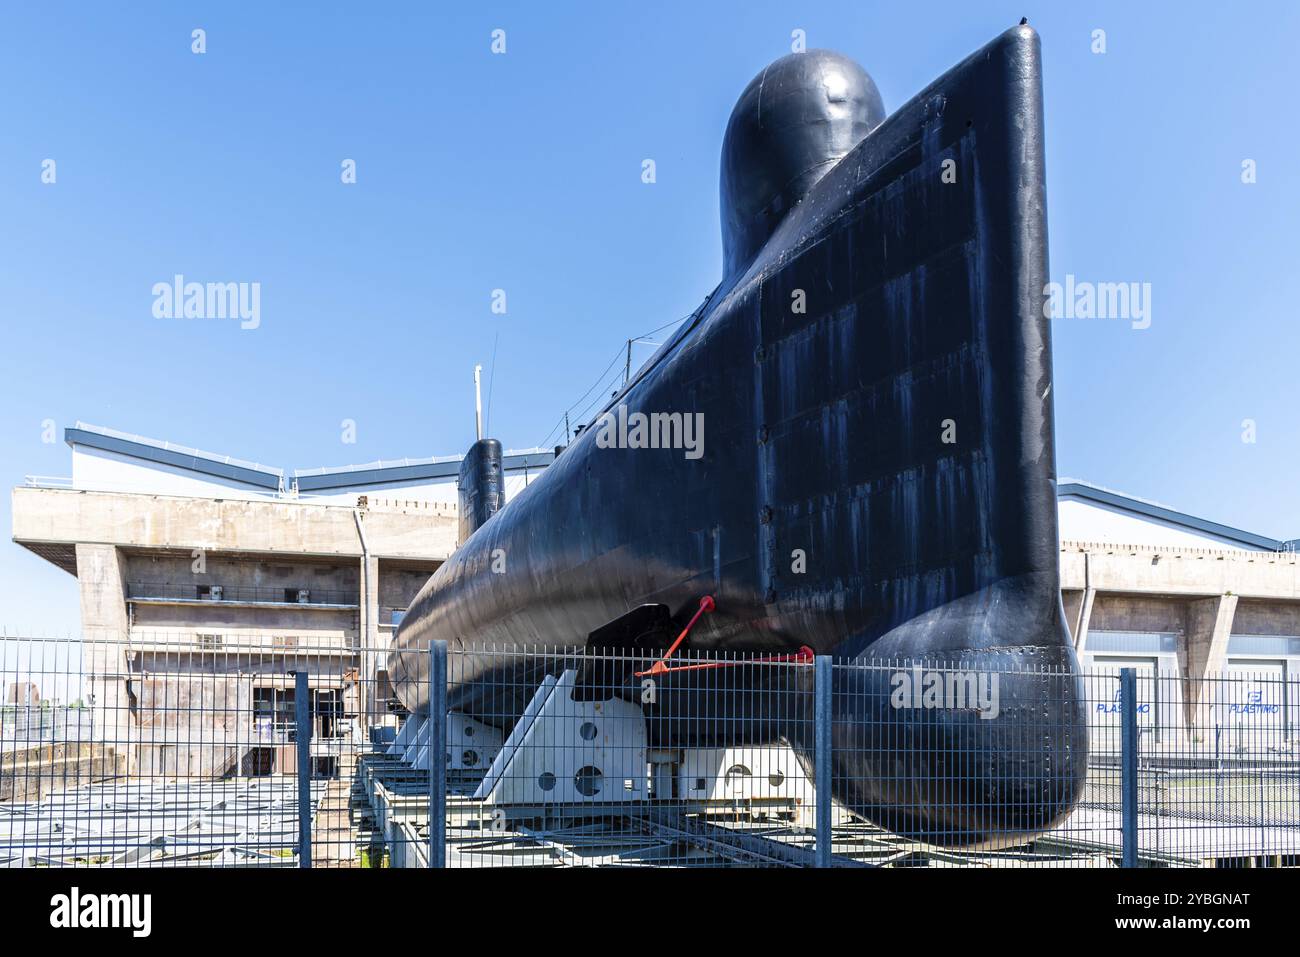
161,750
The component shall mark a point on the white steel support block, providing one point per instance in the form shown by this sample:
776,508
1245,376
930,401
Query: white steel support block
571,752
515,737
419,744
471,745
403,738
717,774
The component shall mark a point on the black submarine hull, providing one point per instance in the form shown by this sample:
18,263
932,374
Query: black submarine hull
875,482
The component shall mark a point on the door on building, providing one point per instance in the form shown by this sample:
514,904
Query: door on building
327,709
1252,706
1104,696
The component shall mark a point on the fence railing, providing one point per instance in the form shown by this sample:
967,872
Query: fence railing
30,724
256,594
115,755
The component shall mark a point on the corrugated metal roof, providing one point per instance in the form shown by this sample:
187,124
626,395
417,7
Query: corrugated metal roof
384,472
169,453
1140,506
408,470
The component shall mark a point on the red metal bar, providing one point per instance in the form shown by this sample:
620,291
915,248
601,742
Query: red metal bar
706,605
803,655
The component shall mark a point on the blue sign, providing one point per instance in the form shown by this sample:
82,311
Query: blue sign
1114,708
1254,705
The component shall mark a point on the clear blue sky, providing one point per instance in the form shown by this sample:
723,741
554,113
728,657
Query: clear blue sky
522,172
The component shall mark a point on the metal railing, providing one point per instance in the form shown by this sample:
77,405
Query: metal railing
272,757
46,722
247,594
48,481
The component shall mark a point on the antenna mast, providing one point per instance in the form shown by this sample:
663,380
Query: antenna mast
478,404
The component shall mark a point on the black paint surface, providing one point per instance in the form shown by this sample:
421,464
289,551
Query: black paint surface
824,434
480,487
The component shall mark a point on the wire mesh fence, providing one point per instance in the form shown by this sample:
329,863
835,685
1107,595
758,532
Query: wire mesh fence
161,750
182,753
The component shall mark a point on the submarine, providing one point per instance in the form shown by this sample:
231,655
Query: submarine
871,475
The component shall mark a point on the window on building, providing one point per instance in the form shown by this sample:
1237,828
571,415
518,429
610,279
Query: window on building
1279,645
273,711
1132,642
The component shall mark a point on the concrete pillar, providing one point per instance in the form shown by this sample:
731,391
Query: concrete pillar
1204,652
105,629
1078,613
369,659
1078,606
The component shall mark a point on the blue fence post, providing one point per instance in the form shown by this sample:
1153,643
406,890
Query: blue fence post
302,711
822,758
437,754
1129,763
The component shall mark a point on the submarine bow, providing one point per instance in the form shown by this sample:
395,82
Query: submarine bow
872,383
